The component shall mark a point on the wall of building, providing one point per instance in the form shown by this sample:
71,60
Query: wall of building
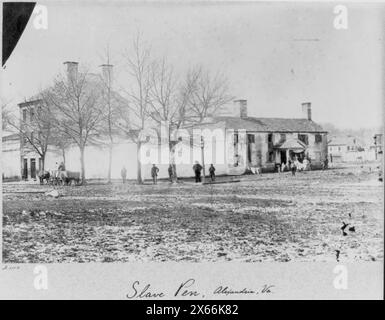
124,154
343,155
10,159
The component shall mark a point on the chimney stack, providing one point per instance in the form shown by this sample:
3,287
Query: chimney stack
107,73
242,106
306,110
72,69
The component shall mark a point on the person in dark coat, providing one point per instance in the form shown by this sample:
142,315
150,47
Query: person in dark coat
154,173
212,172
170,172
325,163
123,173
293,168
197,170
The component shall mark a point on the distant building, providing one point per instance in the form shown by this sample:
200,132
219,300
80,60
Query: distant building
378,147
345,148
351,149
30,162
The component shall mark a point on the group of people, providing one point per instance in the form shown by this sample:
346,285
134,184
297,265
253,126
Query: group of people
295,165
291,165
198,171
197,168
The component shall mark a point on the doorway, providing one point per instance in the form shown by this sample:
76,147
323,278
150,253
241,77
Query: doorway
283,156
33,168
250,143
25,169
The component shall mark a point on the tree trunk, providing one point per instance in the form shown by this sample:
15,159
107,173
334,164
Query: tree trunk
82,166
139,164
174,177
42,162
64,155
109,163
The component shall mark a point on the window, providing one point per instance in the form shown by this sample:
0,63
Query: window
32,113
236,160
251,138
236,138
304,138
339,148
283,137
270,137
24,115
348,148
271,156
32,136
318,138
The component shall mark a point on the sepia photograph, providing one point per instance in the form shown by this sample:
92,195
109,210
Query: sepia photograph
192,132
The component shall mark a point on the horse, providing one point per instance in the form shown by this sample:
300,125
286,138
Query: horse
44,175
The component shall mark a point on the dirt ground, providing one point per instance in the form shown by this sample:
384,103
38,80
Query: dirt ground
272,217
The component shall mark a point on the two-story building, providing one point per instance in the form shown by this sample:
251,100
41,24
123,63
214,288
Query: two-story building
237,143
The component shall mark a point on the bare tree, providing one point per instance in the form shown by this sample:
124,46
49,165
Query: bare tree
36,129
165,105
5,115
77,109
207,94
134,119
181,103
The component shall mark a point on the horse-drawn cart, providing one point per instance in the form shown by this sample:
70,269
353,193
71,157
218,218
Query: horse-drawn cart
60,177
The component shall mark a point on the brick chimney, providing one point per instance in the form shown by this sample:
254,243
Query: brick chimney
306,110
107,73
241,105
72,69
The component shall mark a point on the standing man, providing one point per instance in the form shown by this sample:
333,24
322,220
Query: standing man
325,163
170,172
197,169
123,173
61,167
154,173
212,172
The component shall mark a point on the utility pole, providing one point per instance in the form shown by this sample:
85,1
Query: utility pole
203,159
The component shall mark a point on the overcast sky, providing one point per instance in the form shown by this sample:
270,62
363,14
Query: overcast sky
275,55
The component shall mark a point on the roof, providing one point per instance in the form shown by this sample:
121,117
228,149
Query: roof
292,144
269,124
32,101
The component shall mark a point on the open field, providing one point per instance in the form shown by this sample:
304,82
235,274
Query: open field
273,217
